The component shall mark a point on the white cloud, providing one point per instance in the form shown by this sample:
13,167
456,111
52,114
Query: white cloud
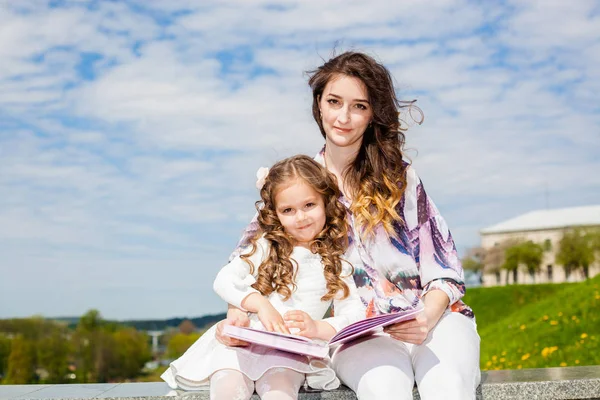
139,174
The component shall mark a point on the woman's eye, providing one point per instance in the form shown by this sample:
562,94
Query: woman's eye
333,101
361,106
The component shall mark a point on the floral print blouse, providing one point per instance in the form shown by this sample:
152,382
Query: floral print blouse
393,273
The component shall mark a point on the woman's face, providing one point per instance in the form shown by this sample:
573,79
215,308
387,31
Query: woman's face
345,112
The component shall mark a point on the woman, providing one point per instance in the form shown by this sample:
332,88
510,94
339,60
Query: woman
403,246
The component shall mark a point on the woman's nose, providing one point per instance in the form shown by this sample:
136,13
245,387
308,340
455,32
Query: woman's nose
344,115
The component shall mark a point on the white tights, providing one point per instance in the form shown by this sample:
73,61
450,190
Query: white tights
275,384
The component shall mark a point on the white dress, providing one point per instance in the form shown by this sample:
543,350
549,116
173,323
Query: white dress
233,283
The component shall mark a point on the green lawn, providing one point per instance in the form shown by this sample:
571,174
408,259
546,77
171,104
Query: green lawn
537,326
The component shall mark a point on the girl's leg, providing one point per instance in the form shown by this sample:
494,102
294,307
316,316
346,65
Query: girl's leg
279,384
376,367
447,364
229,384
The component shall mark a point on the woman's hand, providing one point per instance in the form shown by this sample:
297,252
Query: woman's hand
235,317
302,321
271,319
414,331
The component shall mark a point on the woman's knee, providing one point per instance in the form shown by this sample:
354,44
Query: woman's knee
385,382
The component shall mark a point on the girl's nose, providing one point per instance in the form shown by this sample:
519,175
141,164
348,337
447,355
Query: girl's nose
301,216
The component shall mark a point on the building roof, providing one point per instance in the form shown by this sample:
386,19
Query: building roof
548,219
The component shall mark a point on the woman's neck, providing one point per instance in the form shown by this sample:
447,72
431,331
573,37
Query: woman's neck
337,159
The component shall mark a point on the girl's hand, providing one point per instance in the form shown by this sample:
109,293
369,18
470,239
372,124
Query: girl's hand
301,320
414,331
235,317
271,319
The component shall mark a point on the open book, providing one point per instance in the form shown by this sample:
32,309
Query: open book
318,348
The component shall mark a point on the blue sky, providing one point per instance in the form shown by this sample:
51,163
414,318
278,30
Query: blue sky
130,132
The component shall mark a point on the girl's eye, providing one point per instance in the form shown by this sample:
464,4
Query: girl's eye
286,210
309,205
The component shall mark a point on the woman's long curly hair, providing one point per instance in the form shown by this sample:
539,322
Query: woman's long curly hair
276,272
376,180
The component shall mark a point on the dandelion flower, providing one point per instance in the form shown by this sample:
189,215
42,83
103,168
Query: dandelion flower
525,356
545,318
560,314
584,335
563,364
523,327
519,366
553,322
576,361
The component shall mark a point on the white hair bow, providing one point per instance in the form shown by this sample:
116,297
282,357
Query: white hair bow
261,176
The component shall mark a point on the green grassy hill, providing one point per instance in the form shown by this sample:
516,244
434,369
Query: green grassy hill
537,326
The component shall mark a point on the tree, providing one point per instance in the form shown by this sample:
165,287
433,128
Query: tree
531,254
179,343
132,352
511,261
473,260
53,353
186,327
21,362
5,344
576,250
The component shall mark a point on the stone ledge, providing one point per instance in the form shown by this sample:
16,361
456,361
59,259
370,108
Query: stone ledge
569,383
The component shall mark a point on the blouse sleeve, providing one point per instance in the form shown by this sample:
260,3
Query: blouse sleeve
435,251
350,309
234,281
248,233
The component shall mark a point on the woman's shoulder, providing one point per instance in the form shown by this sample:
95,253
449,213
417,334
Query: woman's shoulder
262,247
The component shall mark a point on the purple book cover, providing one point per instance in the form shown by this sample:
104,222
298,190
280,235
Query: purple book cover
317,348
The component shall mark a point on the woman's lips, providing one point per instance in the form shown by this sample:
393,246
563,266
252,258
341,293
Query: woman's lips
342,129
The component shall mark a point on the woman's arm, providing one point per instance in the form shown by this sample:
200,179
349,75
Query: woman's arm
439,265
235,317
350,309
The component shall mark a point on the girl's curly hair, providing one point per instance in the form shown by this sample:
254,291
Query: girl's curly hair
276,272
377,177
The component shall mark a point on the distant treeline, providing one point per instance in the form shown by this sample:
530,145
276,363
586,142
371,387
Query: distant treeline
201,323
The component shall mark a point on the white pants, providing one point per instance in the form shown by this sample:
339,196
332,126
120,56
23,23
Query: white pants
445,366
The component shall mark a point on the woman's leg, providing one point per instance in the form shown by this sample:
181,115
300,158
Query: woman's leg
229,384
279,384
447,365
376,368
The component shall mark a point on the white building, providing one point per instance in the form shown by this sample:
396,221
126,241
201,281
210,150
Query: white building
542,226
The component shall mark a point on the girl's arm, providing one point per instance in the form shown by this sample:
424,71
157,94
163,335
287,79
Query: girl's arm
347,311
234,285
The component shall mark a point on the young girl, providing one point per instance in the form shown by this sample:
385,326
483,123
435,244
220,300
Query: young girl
286,279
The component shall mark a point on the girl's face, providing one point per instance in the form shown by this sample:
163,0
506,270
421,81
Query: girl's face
301,211
345,111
